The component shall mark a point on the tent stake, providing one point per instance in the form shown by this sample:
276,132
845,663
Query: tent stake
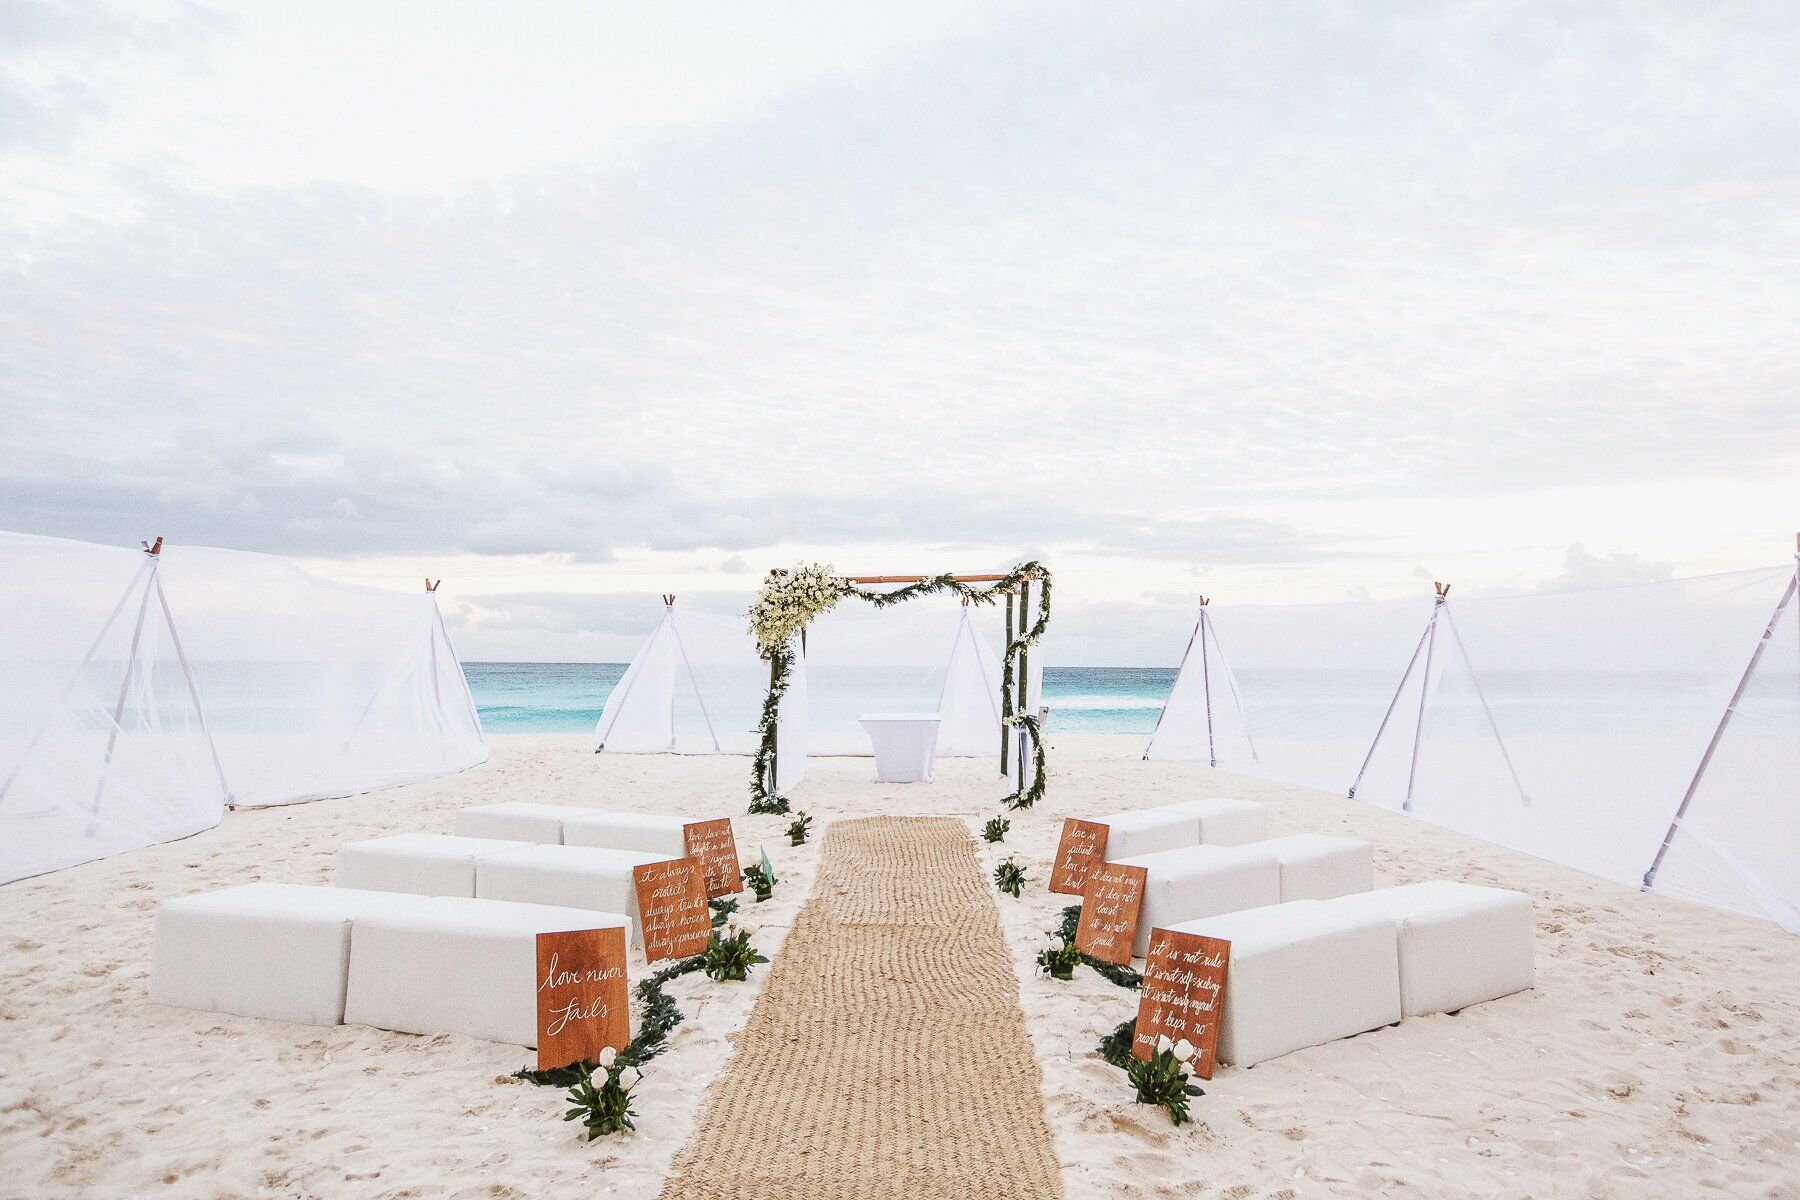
1693,786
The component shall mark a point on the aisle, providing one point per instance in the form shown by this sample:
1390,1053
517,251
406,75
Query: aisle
887,1055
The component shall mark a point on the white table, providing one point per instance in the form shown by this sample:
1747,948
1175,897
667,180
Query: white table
905,744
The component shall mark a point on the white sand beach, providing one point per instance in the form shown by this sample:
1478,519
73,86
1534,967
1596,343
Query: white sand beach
1658,1056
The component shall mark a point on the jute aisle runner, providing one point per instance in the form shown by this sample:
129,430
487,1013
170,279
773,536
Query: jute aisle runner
887,1054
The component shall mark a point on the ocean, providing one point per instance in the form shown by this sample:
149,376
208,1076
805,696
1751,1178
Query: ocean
568,697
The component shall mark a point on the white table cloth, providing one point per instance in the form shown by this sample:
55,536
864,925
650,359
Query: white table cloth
905,745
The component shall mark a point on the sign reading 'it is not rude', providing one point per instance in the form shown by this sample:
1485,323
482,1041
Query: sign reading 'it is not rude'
1183,995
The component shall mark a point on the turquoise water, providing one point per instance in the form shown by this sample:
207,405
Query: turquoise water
568,697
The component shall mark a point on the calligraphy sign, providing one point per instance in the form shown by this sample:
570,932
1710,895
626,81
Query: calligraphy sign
1081,848
711,842
1109,912
1184,995
582,1004
672,912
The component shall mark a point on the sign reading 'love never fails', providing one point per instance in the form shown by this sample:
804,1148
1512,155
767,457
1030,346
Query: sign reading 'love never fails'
582,1005
1081,848
711,842
672,912
1184,995
1109,912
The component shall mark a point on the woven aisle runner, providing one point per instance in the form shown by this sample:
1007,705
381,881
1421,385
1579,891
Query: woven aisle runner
887,1055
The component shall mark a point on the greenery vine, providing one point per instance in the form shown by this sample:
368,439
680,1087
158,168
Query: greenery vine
790,600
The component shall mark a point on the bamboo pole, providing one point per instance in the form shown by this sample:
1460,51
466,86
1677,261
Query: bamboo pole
1006,707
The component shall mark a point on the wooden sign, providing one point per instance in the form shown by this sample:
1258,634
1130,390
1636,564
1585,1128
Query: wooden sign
1081,849
711,842
1109,912
1183,996
582,1001
672,912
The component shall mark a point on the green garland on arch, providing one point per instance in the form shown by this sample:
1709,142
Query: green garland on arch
790,600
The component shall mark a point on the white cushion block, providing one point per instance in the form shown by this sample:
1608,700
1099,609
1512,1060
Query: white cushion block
627,831
1202,881
426,864
1226,822
517,822
1317,867
1460,943
1302,974
274,950
453,965
1129,834
567,877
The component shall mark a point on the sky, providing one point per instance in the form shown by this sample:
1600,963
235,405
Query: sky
576,303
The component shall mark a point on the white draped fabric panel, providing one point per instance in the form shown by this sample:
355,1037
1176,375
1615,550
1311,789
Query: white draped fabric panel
143,693
695,687
315,688
915,657
101,744
1566,725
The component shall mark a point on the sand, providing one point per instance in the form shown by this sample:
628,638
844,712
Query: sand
1659,1054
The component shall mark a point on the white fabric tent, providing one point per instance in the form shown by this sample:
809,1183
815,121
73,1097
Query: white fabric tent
1568,725
141,693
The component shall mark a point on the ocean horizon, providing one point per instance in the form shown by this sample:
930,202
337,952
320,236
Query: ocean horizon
568,697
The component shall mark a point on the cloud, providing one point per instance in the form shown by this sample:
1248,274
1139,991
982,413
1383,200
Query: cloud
1584,569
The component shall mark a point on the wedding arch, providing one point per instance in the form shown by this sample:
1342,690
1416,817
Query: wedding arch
789,603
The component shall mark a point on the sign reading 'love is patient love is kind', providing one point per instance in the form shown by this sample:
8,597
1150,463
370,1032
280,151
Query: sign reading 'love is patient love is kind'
1184,995
1109,912
1081,848
582,1005
672,912
711,842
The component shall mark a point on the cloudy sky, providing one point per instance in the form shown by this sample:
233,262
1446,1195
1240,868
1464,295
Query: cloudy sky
575,303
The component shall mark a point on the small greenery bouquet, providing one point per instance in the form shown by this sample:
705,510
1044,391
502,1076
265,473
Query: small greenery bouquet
601,1099
1164,1078
722,908
1058,958
769,805
729,954
995,829
1009,877
756,878
797,829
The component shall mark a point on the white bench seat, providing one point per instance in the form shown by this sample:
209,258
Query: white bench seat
460,966
643,832
426,864
1459,943
1192,882
1302,974
1316,866
1226,822
1148,830
567,877
273,950
517,822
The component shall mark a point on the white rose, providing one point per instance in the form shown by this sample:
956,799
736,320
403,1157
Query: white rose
1163,1044
607,1056
1184,1049
1186,1068
628,1078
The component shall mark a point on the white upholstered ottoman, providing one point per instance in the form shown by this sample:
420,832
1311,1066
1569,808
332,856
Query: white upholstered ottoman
1459,943
517,822
451,965
426,864
1145,831
1318,867
1301,974
280,951
1225,822
1202,881
567,877
642,832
